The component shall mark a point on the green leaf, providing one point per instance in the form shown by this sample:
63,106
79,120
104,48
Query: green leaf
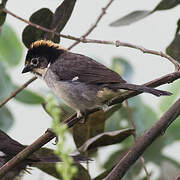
121,66
93,126
166,4
28,97
50,168
7,86
62,15
6,83
153,153
130,18
112,110
166,102
2,13
141,14
174,48
6,119
115,157
10,47
144,117
118,120
82,173
106,138
42,17
173,132
103,175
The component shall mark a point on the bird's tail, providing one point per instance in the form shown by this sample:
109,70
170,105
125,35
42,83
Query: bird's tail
140,88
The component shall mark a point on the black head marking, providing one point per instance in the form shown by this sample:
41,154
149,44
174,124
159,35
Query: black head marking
43,50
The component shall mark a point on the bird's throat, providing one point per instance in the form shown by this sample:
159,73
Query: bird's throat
40,72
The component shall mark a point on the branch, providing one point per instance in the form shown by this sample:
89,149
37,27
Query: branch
14,93
40,27
148,51
135,138
94,25
169,78
73,120
144,142
116,43
26,152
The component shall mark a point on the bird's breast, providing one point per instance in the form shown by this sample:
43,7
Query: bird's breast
77,95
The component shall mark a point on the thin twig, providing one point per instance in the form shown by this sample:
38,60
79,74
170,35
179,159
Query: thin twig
116,43
135,138
93,26
14,93
149,51
71,121
144,142
40,27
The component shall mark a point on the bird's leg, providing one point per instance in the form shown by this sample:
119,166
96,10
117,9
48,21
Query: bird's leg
83,115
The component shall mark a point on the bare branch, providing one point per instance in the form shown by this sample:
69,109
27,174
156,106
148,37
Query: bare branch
144,142
135,138
40,27
148,51
116,43
14,93
45,138
94,25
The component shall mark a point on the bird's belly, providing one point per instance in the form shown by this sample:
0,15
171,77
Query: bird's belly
75,94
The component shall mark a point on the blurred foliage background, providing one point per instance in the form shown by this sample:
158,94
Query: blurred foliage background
103,128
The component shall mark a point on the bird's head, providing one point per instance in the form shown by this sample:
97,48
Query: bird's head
41,54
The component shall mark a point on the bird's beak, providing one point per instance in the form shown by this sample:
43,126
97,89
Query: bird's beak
27,68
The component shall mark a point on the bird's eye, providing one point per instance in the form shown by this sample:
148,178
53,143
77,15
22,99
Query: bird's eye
35,61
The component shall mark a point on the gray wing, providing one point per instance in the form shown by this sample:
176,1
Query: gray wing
71,65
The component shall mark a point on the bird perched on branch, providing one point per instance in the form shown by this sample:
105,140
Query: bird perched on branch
79,80
10,148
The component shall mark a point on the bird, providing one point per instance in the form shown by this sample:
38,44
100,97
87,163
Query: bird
10,148
80,81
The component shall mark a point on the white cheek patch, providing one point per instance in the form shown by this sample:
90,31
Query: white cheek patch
75,78
2,154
